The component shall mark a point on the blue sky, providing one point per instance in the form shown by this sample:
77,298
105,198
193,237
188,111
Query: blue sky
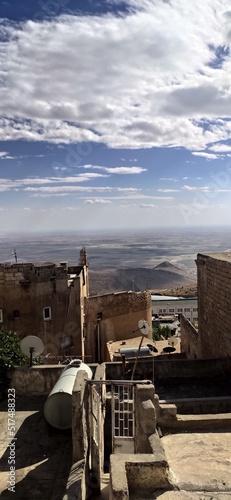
114,114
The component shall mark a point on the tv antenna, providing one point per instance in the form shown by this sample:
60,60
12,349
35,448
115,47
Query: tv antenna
15,255
144,327
32,346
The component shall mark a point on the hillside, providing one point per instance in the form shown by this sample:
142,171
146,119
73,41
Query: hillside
162,277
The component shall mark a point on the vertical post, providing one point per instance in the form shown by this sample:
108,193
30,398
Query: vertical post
138,352
31,355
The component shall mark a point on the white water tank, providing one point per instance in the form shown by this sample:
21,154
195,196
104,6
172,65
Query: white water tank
58,406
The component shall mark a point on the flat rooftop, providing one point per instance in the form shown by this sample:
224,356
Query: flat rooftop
114,347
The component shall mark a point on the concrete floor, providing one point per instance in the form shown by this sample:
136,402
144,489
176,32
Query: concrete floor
42,454
199,466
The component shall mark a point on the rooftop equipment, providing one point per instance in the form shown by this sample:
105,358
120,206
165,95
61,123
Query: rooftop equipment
58,406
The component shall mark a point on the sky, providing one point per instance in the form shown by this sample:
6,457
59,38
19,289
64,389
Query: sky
114,114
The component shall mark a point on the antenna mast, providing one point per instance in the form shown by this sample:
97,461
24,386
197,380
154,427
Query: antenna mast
15,255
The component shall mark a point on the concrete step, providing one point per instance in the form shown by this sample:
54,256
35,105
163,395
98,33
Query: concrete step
209,422
198,406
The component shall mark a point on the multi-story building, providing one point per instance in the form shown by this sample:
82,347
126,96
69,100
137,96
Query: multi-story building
170,306
46,300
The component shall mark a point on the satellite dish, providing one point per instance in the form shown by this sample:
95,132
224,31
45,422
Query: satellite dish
144,327
32,346
172,341
152,348
169,349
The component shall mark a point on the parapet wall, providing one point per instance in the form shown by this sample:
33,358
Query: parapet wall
37,380
171,368
34,381
114,317
119,303
189,338
12,274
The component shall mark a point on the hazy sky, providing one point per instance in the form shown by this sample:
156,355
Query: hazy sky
114,114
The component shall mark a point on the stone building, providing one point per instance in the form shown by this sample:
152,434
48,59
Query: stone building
114,317
46,300
52,302
214,305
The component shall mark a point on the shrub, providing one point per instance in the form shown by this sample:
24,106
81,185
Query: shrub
10,356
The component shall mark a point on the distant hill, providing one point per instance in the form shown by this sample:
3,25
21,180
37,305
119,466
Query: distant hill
161,277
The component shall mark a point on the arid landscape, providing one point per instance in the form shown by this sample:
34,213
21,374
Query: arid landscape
164,276
162,261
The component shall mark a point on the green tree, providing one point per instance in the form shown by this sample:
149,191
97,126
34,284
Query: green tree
10,356
161,331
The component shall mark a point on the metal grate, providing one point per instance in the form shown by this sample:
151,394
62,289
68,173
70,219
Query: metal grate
123,411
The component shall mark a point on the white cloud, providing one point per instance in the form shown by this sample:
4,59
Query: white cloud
118,170
205,189
5,156
147,205
53,89
220,148
101,201
168,179
209,156
168,190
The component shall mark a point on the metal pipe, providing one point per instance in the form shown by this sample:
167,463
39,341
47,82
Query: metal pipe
118,382
138,352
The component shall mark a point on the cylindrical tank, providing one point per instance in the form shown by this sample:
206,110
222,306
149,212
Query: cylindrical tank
131,352
58,406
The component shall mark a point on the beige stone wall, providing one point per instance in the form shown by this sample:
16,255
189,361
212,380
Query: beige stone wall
114,317
214,305
29,289
189,339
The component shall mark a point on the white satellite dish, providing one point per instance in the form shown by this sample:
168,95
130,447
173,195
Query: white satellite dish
144,326
172,341
32,346
145,329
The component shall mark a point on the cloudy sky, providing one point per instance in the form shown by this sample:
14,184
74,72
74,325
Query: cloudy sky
114,114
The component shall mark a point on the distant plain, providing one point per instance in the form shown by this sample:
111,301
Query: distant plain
111,250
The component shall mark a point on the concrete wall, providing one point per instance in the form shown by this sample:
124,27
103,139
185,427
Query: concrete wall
172,368
26,289
214,305
34,381
37,380
142,473
189,339
114,317
145,417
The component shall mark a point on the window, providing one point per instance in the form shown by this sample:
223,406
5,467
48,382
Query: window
171,310
164,310
1,316
187,309
180,310
46,313
195,309
160,311
195,319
